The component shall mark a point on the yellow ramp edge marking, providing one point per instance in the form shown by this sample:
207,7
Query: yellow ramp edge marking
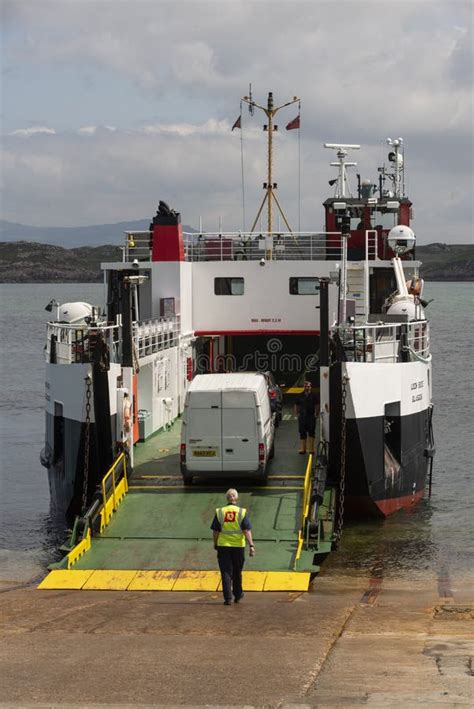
169,580
286,581
253,580
153,581
197,581
108,580
79,550
65,578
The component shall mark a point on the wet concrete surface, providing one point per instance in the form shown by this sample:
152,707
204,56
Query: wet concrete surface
350,641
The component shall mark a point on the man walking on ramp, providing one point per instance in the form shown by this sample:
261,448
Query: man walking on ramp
231,528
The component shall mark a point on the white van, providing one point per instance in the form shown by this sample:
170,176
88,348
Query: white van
228,427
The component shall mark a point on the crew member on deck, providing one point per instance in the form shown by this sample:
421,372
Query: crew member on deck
127,422
231,528
307,409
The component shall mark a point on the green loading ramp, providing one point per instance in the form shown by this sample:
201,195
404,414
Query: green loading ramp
159,537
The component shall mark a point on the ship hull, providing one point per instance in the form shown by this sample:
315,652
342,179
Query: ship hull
63,470
386,436
68,471
379,481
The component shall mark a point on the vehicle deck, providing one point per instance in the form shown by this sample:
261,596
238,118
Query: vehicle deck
160,535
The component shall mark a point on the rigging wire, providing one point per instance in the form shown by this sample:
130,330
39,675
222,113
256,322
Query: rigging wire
299,169
242,167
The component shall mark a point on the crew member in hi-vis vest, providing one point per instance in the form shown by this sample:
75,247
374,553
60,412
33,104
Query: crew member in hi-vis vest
231,529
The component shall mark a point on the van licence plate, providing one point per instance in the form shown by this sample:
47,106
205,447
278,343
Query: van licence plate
204,454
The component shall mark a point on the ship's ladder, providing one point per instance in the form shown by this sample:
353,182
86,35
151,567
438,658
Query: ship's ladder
356,291
358,283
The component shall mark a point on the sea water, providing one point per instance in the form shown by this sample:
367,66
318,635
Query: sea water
436,537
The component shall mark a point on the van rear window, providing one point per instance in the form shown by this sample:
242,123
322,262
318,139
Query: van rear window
228,286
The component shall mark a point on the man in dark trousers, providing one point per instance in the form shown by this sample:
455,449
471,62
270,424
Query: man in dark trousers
307,409
231,528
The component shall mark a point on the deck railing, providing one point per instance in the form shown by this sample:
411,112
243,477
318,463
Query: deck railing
71,344
388,343
114,487
137,245
156,334
242,246
303,532
245,246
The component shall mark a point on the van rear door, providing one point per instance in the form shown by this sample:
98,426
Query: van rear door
239,431
204,432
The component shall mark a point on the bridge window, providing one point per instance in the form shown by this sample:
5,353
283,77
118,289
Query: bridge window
304,285
228,286
386,219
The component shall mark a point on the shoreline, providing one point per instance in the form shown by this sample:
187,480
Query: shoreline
34,262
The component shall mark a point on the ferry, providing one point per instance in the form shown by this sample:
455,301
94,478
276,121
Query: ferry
342,307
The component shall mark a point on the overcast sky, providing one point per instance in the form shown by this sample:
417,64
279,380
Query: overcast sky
109,106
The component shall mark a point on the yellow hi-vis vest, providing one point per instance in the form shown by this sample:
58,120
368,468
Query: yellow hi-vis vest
230,518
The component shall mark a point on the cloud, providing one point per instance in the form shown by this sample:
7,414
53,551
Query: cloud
28,132
171,75
109,176
462,57
210,127
92,130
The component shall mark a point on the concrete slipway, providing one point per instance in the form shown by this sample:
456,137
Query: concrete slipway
352,638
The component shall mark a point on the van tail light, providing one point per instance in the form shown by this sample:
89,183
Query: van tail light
261,452
182,453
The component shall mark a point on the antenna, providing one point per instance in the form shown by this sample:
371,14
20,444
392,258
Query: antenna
251,108
342,184
269,186
397,157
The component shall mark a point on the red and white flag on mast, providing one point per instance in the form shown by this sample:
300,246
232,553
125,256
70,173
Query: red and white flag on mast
295,123
237,123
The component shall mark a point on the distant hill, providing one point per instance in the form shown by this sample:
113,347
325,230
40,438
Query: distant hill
71,237
32,262
446,262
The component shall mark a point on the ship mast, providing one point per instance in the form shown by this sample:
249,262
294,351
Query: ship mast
269,186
